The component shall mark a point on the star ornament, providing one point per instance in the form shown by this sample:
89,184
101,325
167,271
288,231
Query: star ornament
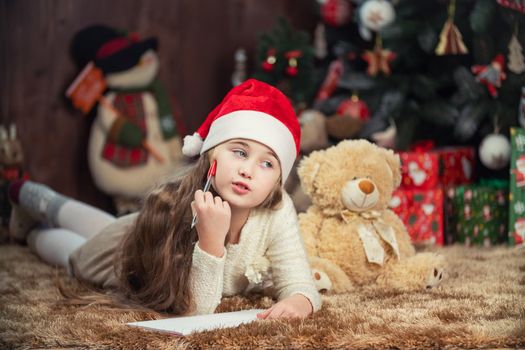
378,61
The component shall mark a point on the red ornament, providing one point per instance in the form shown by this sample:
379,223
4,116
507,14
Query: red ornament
292,70
269,63
266,66
491,75
336,12
355,108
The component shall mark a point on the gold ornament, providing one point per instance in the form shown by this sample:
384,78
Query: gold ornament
450,39
379,59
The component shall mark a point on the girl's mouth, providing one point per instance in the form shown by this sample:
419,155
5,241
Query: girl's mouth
240,188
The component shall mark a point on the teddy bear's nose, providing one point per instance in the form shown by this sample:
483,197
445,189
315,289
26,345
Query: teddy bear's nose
366,186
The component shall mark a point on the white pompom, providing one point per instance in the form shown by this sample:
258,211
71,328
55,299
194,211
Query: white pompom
192,145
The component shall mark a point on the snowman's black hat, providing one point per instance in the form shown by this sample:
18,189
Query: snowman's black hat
110,50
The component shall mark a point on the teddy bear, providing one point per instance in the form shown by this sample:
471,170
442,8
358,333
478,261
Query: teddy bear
134,140
351,236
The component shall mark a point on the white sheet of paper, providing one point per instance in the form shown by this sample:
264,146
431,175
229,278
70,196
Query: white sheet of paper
188,324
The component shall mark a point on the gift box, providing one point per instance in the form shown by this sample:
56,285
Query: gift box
477,213
425,167
419,169
456,165
422,214
517,187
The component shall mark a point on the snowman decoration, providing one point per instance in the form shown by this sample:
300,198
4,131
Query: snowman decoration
133,141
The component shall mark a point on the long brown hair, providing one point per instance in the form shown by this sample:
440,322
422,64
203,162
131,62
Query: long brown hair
155,257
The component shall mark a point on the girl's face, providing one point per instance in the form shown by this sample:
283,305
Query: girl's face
247,172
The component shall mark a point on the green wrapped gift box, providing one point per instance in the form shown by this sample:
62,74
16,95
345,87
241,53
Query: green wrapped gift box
478,213
517,187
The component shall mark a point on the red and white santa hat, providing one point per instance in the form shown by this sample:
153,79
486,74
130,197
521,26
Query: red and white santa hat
252,110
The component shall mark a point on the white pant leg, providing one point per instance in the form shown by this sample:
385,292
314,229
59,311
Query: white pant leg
82,218
54,245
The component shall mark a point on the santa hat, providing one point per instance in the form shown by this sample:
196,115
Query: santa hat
252,110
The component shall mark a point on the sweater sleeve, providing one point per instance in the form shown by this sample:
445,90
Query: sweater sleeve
291,272
206,278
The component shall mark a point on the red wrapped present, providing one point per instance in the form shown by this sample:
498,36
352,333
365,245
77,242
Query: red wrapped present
422,214
424,167
400,204
456,165
420,167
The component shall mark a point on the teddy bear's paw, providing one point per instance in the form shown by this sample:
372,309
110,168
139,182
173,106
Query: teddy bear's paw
423,271
435,277
321,280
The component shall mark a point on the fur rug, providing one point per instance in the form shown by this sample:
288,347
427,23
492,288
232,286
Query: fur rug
480,304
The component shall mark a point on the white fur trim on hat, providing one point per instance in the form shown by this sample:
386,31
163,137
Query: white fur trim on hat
192,145
256,126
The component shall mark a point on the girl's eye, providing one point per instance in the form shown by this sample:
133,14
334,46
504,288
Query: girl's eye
267,164
240,153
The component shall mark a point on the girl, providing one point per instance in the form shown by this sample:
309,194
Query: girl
246,234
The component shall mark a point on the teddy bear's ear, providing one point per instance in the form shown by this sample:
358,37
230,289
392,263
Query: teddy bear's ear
308,169
394,162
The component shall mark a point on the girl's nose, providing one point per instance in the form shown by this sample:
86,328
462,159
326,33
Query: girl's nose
244,171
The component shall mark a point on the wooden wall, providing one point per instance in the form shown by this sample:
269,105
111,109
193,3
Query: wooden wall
197,40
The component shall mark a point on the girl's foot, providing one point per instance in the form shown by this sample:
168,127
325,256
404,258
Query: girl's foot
20,224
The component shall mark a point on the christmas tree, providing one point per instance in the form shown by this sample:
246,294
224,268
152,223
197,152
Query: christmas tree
286,61
446,71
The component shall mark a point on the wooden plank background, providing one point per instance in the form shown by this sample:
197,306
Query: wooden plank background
197,41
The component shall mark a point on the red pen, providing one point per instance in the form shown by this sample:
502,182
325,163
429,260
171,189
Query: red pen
211,173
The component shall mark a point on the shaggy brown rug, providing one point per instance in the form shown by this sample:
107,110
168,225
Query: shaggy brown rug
480,304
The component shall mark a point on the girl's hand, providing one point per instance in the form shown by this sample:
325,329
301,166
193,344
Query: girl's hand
213,221
295,306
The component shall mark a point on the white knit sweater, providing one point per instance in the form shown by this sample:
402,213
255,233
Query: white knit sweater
270,238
